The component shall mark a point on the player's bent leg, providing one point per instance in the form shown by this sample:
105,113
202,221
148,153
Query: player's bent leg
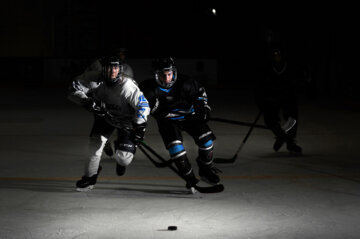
108,149
178,154
207,171
92,169
185,169
95,150
124,153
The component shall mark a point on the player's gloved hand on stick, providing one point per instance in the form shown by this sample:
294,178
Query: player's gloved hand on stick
138,133
202,114
95,107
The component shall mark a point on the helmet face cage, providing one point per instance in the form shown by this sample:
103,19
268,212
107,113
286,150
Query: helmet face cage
107,65
277,56
162,83
164,65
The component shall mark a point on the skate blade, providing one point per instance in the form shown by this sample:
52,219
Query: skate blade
87,189
193,190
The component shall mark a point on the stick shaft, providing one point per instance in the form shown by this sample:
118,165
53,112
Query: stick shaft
142,144
239,123
157,164
252,127
231,160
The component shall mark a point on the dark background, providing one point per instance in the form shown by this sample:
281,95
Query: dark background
320,38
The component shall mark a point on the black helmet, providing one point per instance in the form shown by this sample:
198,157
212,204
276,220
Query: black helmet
164,64
109,62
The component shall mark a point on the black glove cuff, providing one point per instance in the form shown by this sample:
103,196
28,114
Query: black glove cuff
202,114
138,133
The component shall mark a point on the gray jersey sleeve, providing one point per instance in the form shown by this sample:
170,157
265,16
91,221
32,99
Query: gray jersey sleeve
82,85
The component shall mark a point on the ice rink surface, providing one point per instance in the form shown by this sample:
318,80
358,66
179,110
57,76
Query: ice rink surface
267,194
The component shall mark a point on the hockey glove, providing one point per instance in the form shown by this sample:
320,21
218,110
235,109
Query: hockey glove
202,114
138,133
95,107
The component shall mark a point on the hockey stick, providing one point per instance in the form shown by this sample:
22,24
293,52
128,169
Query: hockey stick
288,125
232,160
211,189
157,164
238,123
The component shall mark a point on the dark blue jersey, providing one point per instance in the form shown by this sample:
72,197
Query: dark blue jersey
182,100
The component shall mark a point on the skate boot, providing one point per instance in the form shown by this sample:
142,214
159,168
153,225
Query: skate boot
87,183
191,181
278,143
208,173
293,148
120,170
108,149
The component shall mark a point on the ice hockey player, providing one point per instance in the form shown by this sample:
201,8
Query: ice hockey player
275,95
89,80
180,104
119,104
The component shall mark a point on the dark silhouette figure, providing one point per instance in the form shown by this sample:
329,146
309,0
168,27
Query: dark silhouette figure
275,96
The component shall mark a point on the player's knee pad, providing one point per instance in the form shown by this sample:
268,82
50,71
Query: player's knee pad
124,152
123,158
206,152
176,149
178,154
204,138
127,146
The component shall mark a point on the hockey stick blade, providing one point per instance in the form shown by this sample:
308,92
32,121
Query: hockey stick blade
210,189
225,160
217,188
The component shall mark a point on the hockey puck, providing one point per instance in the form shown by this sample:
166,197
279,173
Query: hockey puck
172,228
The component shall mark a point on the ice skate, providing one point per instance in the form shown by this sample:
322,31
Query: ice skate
87,183
278,143
120,170
293,148
191,182
192,185
209,174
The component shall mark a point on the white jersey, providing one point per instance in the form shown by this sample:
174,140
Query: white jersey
124,101
90,80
